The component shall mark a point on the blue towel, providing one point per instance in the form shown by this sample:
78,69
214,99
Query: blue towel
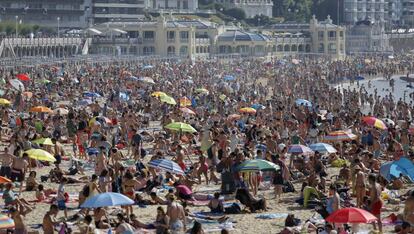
271,216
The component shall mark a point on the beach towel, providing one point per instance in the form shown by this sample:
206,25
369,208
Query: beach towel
271,216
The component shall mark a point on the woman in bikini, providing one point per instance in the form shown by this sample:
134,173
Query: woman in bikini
128,187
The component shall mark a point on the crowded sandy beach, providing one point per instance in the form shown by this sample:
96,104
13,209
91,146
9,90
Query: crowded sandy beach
216,146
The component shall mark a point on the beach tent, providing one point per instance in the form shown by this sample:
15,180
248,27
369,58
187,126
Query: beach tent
402,166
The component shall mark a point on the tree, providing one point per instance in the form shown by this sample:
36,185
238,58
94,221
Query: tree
236,13
293,10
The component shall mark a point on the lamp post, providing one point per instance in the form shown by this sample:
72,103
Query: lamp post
16,17
58,26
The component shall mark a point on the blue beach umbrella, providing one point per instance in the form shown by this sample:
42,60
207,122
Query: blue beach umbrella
166,165
84,102
303,102
91,94
258,107
229,78
107,199
323,148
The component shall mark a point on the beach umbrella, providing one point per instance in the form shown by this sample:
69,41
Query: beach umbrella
374,122
303,102
189,81
257,165
40,154
43,141
158,94
167,99
17,84
107,199
133,78
359,78
179,126
299,149
187,111
229,78
340,136
100,119
201,91
184,101
40,109
323,148
91,94
248,110
84,102
146,80
4,180
23,77
6,222
233,117
166,165
61,111
258,107
123,96
388,122
222,97
147,67
4,101
351,215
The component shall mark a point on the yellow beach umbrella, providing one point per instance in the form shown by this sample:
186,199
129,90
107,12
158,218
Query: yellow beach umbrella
40,154
43,141
4,101
158,94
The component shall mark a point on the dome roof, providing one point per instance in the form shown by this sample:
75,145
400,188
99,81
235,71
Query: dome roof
237,35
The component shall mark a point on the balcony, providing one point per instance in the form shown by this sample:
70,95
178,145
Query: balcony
184,40
202,41
332,38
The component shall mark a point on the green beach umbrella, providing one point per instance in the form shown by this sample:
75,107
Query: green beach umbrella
182,127
167,99
257,165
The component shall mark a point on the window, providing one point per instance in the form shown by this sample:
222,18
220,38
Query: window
332,34
341,34
183,50
149,35
184,36
321,34
170,36
332,48
171,50
321,48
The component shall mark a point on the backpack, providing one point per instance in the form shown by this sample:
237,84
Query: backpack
233,209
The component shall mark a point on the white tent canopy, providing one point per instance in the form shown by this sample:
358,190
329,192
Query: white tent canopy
93,31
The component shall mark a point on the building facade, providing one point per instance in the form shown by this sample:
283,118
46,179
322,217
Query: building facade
68,14
367,37
173,5
195,38
116,10
357,10
250,7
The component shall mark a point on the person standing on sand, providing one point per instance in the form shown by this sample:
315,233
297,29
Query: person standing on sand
18,218
360,188
49,220
375,197
176,214
6,162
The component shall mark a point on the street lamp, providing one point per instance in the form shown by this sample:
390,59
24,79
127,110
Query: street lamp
58,26
16,17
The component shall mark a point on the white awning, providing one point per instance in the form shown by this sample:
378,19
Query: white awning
94,31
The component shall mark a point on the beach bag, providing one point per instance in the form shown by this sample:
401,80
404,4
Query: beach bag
288,188
233,209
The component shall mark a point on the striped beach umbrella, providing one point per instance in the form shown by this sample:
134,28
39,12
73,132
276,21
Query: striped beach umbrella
323,148
299,149
6,222
374,122
166,165
257,165
340,136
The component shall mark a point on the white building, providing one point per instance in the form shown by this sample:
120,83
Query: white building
184,5
251,7
367,37
357,10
